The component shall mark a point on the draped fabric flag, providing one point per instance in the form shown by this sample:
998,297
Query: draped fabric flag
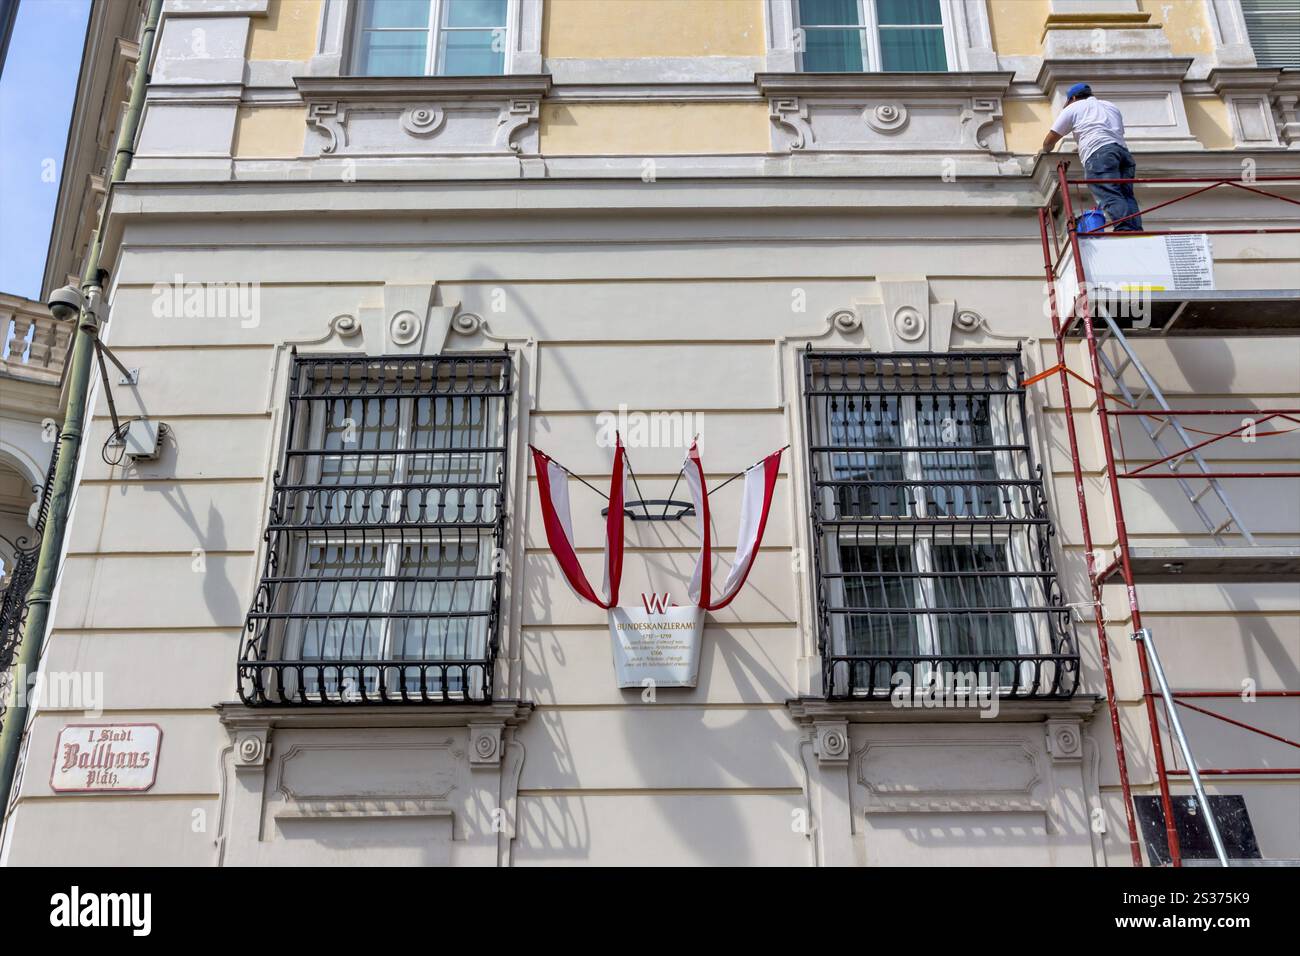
553,488
760,481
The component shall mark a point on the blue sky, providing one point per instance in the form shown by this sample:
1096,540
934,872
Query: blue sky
36,93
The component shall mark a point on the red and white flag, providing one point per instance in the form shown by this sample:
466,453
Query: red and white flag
756,501
553,488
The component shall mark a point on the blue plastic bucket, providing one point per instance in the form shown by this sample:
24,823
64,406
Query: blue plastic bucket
1094,220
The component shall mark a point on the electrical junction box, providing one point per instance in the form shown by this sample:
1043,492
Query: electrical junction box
141,439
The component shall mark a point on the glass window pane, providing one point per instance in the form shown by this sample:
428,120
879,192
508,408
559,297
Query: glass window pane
832,51
396,13
912,51
836,13
971,632
867,428
393,53
337,617
444,424
969,476
473,53
908,12
476,13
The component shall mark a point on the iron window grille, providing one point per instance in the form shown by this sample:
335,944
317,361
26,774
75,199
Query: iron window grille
932,542
382,581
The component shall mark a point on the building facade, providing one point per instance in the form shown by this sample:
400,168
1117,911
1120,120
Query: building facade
368,252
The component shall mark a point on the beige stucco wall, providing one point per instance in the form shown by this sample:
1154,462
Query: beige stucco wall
263,132
1026,123
647,129
288,32
1184,24
648,28
1017,25
1207,118
673,296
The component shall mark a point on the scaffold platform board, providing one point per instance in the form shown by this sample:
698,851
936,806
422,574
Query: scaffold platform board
1213,565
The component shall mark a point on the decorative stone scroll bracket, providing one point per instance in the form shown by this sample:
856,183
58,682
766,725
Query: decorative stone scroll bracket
407,322
945,113
903,318
422,116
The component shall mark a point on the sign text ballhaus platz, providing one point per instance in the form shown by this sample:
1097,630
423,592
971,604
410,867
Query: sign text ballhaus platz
106,757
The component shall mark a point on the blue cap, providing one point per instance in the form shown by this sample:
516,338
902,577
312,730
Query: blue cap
1075,90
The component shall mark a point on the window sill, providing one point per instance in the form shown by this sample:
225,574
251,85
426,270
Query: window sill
407,87
238,716
950,84
810,710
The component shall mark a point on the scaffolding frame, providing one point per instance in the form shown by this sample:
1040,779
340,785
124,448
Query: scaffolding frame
1121,567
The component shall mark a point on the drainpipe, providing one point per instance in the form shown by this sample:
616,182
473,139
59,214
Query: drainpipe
80,367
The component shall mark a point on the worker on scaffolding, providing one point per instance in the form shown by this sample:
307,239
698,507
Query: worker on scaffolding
1098,128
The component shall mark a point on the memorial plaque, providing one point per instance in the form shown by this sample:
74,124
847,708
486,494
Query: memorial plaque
656,644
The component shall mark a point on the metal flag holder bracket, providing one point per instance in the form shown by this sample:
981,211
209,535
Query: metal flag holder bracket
670,508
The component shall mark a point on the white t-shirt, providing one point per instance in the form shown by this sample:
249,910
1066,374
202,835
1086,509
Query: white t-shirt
1094,122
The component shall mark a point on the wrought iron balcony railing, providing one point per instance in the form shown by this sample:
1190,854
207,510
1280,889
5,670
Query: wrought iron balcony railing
932,538
25,554
382,579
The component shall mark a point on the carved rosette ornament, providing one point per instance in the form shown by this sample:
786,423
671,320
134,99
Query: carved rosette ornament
886,118
405,327
422,120
251,749
909,324
1064,741
831,742
485,744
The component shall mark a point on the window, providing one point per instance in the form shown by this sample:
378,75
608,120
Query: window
1274,30
933,541
379,582
850,36
431,37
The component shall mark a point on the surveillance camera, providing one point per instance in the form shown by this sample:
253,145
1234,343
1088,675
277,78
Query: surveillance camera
65,303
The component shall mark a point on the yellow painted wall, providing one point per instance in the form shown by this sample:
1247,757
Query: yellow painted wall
653,129
616,29
287,32
1184,23
270,132
1017,26
1025,123
1207,118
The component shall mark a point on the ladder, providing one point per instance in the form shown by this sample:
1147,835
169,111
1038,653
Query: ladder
1156,429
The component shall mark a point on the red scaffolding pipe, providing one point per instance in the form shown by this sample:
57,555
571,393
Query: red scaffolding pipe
1112,705
1080,309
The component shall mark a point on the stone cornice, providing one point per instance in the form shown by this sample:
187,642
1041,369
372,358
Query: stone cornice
1211,164
810,710
238,716
1056,71
889,84
1099,20
1243,79
376,88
